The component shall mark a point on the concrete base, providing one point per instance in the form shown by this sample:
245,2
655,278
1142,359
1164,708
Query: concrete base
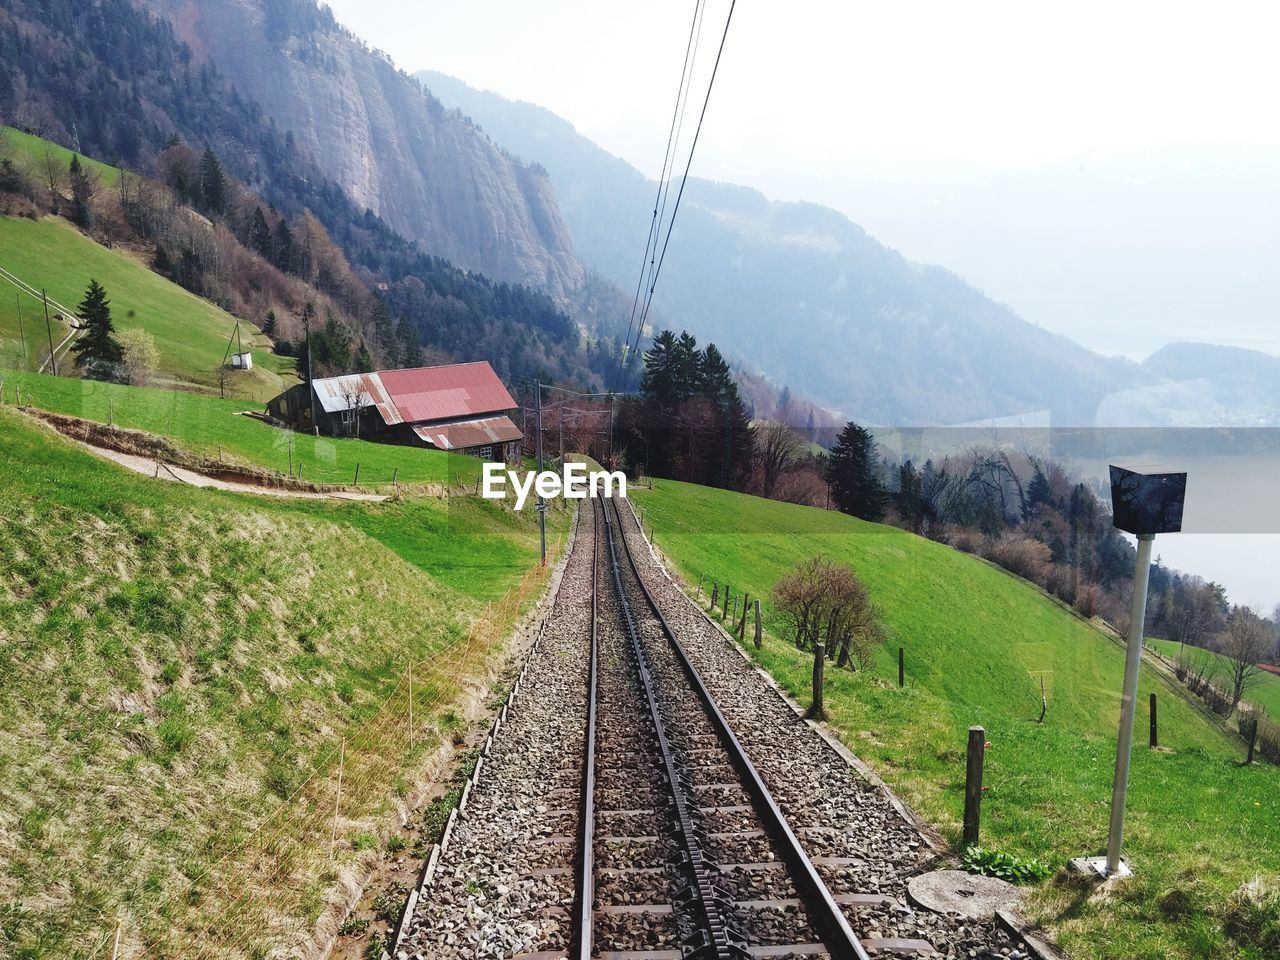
954,891
1095,868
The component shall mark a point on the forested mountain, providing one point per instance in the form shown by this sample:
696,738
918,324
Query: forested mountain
806,294
113,82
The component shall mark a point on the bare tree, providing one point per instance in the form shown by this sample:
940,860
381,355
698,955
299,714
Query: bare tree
52,172
353,397
826,603
1246,642
777,448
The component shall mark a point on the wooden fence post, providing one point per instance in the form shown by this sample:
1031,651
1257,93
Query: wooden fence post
1253,738
759,635
902,671
715,595
973,784
1155,736
727,591
700,576
815,711
742,627
356,481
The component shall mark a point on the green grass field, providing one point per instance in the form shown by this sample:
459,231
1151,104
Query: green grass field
977,643
30,151
210,426
174,663
1265,691
190,333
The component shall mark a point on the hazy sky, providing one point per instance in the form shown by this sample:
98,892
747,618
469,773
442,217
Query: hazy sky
904,88
1110,170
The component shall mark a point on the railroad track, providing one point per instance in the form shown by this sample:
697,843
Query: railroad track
622,816
689,839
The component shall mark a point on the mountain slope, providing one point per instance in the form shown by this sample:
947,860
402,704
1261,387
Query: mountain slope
431,175
191,334
169,755
805,293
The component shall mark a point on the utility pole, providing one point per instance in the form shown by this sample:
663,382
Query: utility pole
542,504
21,333
311,388
53,360
612,408
560,418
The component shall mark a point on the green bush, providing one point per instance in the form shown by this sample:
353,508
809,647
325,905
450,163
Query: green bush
1005,866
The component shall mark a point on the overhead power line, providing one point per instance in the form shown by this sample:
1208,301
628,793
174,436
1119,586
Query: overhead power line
668,155
684,178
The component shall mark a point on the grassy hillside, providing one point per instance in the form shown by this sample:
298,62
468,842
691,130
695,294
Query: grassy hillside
175,663
977,643
1265,691
212,427
31,151
191,333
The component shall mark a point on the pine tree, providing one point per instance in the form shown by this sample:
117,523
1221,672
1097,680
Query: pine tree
283,247
260,235
1038,491
81,194
97,351
162,263
363,362
213,184
269,323
855,485
304,352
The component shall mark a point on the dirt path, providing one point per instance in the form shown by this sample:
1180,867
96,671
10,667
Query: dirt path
175,474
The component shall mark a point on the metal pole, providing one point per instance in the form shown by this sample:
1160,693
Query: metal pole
53,360
542,506
311,387
22,335
1129,700
612,414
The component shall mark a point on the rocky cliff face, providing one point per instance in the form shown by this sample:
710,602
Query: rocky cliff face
429,173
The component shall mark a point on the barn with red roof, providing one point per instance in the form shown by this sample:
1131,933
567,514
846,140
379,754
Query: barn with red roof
460,407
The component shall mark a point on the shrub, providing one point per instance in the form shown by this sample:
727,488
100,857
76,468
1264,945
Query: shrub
824,602
1029,559
967,541
141,357
1005,866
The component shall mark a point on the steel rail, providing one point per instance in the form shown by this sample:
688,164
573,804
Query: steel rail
585,888
823,911
718,940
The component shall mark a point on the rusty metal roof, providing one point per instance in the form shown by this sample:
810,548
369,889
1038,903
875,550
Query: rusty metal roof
469,433
338,393
447,392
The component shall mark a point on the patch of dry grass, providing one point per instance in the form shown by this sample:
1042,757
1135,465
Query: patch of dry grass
180,673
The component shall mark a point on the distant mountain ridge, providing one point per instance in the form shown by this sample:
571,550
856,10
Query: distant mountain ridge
805,294
428,173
